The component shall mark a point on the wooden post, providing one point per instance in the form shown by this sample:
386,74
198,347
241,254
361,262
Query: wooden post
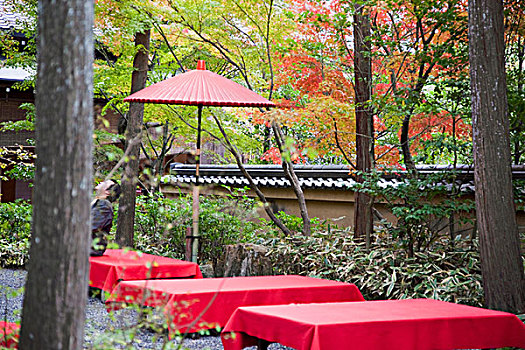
195,233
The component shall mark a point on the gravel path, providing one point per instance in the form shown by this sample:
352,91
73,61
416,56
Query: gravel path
102,331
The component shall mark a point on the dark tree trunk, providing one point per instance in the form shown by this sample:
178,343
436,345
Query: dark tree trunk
126,208
363,219
501,264
519,127
405,144
57,282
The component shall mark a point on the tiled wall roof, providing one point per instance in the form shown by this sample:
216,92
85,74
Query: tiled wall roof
335,177
263,181
8,19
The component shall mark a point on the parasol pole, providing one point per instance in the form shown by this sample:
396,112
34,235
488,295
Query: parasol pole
195,235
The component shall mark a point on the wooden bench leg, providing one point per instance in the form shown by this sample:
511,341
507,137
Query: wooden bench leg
262,344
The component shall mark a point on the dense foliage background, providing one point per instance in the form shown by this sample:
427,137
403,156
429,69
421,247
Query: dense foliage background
299,53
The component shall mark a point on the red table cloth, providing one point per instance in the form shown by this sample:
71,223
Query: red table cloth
217,298
373,325
120,264
9,334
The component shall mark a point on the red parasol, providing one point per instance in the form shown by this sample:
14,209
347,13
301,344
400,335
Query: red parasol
199,87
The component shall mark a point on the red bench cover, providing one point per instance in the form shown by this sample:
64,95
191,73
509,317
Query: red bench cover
119,264
217,298
417,324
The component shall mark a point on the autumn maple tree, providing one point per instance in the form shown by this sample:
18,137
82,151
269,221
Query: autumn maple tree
417,48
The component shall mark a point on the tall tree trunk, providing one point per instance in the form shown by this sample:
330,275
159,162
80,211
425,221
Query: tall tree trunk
521,68
126,208
294,181
363,219
57,282
501,264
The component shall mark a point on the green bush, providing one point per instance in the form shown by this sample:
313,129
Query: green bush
295,224
161,224
15,233
426,207
383,272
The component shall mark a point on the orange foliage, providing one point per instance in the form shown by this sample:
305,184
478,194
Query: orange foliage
311,77
424,125
274,155
414,46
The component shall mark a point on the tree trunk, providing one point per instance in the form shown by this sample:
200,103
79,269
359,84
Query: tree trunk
521,69
294,181
501,264
267,137
57,282
363,219
126,208
405,144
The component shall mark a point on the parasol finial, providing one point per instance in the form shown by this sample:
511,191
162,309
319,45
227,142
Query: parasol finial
201,65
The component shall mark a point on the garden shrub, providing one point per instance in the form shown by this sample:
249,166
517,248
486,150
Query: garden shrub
15,233
161,224
425,207
384,271
154,229
295,223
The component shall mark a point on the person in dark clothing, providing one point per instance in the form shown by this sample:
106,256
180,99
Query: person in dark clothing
102,215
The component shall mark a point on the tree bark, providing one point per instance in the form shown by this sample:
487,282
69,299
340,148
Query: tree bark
126,208
363,219
294,181
519,127
57,282
501,264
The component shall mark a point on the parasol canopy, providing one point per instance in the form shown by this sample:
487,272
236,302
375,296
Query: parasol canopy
200,87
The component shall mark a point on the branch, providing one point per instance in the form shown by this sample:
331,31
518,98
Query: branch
131,143
254,187
222,50
292,177
123,115
340,147
166,41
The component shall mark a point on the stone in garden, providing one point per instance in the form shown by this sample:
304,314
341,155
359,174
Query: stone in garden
207,271
244,260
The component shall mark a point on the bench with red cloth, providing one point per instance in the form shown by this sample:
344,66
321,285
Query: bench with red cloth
411,324
9,335
193,305
122,264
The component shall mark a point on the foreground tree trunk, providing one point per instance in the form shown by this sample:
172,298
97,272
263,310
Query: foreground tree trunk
126,208
57,282
363,219
501,264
